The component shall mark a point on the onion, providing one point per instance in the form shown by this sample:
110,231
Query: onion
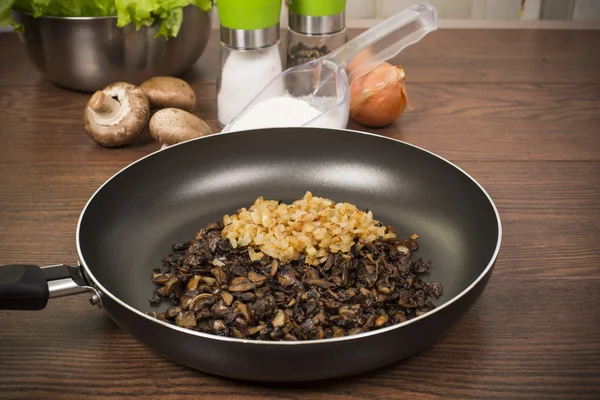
378,98
361,59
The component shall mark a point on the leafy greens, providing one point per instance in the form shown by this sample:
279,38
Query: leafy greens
167,13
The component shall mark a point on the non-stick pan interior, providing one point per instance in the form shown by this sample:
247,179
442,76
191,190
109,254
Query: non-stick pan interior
167,197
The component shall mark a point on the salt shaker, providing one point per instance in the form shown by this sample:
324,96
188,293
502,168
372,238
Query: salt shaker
315,28
249,52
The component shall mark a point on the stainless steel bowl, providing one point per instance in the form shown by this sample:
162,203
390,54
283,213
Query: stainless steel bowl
89,53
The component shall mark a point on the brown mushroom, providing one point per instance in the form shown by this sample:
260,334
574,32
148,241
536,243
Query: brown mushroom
172,125
116,115
169,92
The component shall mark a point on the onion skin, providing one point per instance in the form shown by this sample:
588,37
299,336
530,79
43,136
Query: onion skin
378,98
359,60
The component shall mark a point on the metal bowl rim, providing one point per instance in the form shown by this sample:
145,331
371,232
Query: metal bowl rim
19,12
454,299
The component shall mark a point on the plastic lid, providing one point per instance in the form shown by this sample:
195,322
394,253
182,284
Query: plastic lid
249,14
316,8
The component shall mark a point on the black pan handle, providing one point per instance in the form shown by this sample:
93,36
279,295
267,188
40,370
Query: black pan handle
28,287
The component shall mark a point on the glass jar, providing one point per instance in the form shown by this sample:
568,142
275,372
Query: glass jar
248,61
249,53
303,48
315,28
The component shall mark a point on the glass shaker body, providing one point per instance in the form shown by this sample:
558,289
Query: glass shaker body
303,47
243,73
311,37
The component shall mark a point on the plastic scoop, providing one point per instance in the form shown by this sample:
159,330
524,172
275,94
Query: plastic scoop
317,93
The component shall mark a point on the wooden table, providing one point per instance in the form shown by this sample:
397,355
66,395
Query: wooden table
519,110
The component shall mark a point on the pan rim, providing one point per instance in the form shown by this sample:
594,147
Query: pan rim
454,299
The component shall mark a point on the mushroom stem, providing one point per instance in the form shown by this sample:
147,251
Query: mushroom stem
116,115
103,104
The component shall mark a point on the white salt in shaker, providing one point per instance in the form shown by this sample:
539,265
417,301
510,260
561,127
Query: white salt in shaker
250,54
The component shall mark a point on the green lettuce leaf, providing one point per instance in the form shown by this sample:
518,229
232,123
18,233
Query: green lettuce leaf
67,8
167,13
5,18
171,22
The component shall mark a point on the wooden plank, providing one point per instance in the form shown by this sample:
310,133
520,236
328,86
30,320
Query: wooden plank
507,347
557,9
487,140
550,213
490,101
586,10
444,56
503,10
518,110
495,122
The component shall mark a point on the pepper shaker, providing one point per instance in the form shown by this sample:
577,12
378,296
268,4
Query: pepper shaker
315,28
249,53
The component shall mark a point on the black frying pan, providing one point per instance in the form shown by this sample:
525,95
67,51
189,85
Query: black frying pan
168,196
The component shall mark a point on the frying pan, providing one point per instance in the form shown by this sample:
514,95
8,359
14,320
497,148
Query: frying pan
166,197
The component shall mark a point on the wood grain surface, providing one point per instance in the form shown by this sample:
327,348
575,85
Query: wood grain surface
518,110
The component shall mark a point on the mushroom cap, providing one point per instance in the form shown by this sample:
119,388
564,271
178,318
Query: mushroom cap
169,92
172,125
116,115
